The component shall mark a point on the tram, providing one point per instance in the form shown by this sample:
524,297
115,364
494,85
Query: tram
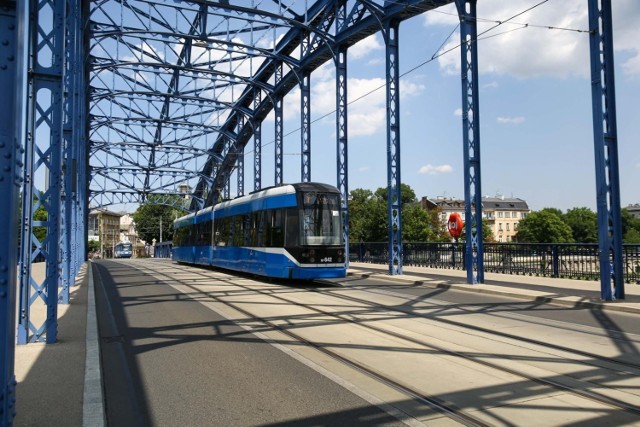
123,250
292,231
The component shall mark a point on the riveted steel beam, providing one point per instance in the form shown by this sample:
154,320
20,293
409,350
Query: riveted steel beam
471,141
43,168
12,19
394,197
605,136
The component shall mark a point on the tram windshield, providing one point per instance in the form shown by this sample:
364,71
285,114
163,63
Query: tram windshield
321,219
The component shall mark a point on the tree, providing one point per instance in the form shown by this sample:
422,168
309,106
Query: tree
630,227
583,223
150,215
487,233
368,217
93,245
544,226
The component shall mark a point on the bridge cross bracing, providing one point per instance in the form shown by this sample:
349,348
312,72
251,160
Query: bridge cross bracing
110,102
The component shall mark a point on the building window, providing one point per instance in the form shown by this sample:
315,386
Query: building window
507,226
500,226
500,239
499,214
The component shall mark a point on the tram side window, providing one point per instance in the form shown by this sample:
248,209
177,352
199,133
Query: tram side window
238,230
275,228
178,237
253,228
203,234
222,231
292,236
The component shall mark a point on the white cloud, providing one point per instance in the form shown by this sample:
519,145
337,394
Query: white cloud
364,169
457,112
533,51
365,46
491,85
435,170
511,120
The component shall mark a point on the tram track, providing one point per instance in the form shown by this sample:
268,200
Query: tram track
576,387
618,366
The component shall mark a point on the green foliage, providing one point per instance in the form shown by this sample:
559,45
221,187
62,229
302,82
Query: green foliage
93,245
147,219
40,215
583,223
487,233
368,217
545,226
630,227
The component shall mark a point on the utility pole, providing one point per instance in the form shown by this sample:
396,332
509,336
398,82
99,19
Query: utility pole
161,229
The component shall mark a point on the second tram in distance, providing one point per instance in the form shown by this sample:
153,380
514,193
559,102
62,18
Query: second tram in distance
292,231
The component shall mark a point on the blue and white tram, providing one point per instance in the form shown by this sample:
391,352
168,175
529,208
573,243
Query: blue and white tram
292,231
123,250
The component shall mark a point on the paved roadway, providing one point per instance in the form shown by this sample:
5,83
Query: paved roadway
186,346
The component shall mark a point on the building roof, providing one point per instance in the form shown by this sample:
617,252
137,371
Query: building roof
488,203
104,212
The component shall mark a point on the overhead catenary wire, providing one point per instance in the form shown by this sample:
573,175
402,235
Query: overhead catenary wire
438,53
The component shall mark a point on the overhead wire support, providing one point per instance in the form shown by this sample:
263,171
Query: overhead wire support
606,150
474,259
394,196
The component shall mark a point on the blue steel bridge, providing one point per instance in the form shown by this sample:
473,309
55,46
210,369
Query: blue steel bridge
113,101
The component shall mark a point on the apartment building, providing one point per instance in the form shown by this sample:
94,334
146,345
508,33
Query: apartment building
634,210
104,226
501,213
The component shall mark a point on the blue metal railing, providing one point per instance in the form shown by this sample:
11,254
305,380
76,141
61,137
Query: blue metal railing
561,260
162,249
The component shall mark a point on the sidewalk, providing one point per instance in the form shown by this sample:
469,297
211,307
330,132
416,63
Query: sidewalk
59,384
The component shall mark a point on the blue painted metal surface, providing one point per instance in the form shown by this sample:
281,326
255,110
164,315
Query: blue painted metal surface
43,169
305,128
471,140
11,85
342,142
606,149
394,199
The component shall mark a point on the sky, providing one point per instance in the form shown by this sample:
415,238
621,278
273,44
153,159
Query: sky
536,137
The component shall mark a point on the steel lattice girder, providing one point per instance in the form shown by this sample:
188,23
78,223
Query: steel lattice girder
202,75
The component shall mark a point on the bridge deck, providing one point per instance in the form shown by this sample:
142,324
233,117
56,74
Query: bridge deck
52,378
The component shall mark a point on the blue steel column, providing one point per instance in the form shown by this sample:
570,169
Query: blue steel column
342,143
257,145
278,126
239,153
78,171
471,138
240,169
44,150
606,149
11,84
305,127
72,70
277,109
81,141
394,199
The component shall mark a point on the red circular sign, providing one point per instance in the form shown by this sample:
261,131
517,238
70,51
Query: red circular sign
455,225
